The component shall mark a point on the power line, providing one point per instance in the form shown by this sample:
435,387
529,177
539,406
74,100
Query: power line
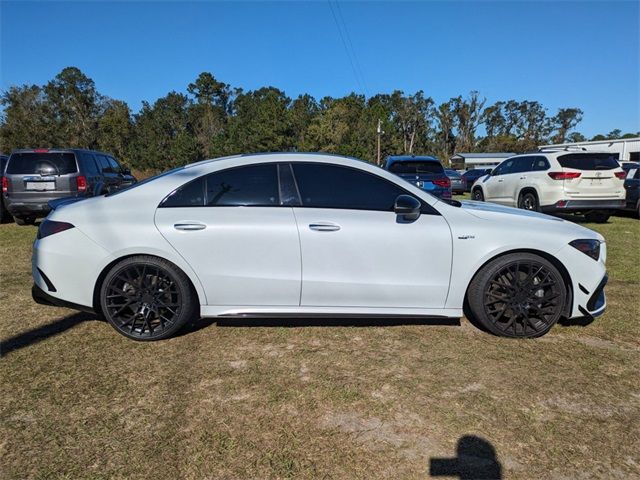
346,48
353,50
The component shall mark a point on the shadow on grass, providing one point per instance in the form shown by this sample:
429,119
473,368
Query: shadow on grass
475,459
301,321
44,332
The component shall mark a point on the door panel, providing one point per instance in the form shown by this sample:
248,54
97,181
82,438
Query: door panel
361,258
242,255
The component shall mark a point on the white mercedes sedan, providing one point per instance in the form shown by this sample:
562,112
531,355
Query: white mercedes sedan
303,235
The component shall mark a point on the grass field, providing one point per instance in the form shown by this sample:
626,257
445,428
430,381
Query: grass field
318,400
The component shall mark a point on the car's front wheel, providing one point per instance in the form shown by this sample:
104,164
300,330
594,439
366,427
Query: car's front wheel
147,298
478,195
518,295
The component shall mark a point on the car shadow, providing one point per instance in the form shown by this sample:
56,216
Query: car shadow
475,459
301,321
38,334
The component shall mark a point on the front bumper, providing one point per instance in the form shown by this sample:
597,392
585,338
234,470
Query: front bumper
583,205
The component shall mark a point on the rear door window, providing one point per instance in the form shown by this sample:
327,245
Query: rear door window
522,164
48,163
115,167
104,164
589,161
540,164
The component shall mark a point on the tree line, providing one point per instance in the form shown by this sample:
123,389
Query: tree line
211,118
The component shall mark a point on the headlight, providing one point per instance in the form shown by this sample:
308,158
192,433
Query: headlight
588,247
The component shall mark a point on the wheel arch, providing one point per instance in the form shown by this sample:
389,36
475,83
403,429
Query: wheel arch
566,277
98,284
528,189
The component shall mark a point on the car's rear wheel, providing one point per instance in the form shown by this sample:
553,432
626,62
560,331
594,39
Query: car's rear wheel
29,220
528,201
519,295
147,298
597,217
478,195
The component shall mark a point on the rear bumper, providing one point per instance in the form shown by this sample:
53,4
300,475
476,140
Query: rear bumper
22,208
583,205
43,298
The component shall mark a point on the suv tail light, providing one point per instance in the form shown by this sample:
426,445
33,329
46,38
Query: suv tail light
49,227
621,175
81,180
443,182
5,184
564,175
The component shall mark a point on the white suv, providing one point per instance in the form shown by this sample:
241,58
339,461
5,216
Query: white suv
556,181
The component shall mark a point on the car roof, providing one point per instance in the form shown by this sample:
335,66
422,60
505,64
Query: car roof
409,158
58,150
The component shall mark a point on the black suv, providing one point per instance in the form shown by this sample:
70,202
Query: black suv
33,177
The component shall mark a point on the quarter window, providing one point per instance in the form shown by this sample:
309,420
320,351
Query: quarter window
333,186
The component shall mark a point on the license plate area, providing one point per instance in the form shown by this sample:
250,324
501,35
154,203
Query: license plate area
40,186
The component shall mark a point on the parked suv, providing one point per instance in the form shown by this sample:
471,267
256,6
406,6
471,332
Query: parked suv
558,181
425,172
33,177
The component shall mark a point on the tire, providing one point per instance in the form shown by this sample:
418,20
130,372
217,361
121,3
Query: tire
597,217
477,195
526,305
147,298
529,201
25,220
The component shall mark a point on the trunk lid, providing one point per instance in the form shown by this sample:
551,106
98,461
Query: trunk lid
597,176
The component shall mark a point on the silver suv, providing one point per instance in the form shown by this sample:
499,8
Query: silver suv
33,177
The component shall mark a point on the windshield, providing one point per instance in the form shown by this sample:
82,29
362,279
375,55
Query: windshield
416,167
42,163
589,161
143,182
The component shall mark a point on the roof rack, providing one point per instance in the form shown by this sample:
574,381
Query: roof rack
568,148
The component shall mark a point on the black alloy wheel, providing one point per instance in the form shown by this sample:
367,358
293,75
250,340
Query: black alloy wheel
147,298
478,195
528,201
518,295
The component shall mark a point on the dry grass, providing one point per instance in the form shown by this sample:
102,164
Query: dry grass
271,401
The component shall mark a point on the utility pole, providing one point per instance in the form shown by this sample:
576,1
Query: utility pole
379,134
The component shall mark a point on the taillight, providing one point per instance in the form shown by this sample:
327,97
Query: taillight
621,175
81,180
49,227
442,182
564,175
5,184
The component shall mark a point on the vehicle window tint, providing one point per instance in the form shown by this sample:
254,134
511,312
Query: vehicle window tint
254,185
333,186
89,164
540,164
418,167
42,163
589,161
522,164
115,167
190,195
104,164
504,167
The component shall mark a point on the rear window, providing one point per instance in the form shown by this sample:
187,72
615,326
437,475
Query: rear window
416,167
42,163
589,161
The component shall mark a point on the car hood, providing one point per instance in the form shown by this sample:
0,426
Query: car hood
499,213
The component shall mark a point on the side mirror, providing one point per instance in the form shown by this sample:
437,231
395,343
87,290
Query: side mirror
408,207
489,171
126,171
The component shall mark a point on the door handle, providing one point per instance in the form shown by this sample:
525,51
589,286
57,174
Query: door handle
189,226
523,178
500,180
324,227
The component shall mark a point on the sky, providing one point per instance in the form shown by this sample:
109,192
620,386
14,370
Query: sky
562,54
